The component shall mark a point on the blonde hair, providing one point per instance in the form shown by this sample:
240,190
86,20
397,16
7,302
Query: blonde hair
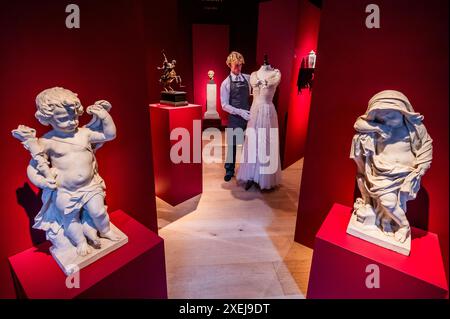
235,57
47,100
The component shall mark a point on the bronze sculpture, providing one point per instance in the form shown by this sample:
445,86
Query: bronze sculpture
168,74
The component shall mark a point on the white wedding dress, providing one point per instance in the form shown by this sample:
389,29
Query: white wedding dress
263,118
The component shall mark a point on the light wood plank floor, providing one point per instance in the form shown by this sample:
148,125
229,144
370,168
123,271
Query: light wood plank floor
232,243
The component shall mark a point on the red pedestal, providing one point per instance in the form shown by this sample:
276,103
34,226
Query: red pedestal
176,182
135,270
339,264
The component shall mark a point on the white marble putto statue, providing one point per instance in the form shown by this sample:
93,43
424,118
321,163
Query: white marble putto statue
263,126
392,151
63,165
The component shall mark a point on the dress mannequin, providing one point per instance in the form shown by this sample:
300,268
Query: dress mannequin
260,163
265,71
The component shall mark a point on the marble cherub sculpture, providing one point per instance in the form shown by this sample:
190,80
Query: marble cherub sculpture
392,151
63,165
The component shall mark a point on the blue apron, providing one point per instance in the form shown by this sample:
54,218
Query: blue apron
239,94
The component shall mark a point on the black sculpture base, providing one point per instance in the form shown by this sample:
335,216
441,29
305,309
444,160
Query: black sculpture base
216,123
174,98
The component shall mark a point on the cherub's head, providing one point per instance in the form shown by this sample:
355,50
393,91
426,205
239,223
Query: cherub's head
235,60
392,118
59,108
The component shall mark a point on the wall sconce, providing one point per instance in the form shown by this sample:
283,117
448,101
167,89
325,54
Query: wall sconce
306,73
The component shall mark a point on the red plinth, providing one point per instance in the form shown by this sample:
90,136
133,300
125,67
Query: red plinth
339,264
176,182
135,270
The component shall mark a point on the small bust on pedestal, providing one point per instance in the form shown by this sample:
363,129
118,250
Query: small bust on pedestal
211,98
211,77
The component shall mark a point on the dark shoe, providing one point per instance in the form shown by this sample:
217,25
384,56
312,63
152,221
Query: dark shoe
249,185
228,176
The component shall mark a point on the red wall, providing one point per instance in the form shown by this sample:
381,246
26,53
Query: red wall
102,60
308,22
408,53
277,24
210,48
299,21
167,27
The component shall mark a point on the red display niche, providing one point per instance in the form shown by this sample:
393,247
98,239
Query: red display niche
210,48
299,22
174,36
409,53
104,59
299,103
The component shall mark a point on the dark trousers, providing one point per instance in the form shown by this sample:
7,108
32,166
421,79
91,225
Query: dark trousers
232,141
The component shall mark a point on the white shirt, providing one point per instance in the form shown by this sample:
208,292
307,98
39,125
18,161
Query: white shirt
225,91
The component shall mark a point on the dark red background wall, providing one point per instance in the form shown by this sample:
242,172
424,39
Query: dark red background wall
104,59
408,53
167,26
308,22
277,24
210,48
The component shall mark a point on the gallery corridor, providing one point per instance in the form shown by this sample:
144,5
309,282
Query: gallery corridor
232,243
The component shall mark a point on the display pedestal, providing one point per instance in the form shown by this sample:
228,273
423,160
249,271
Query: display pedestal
176,182
211,100
135,270
340,262
211,118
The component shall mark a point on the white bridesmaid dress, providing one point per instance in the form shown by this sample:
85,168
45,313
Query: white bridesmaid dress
263,117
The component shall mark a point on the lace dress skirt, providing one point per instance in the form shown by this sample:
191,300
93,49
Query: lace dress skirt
260,159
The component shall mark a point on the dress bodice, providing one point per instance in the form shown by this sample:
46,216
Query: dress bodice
264,88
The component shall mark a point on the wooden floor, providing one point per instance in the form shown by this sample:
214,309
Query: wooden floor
232,243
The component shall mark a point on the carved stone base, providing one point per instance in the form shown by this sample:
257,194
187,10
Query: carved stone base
211,102
376,236
69,260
